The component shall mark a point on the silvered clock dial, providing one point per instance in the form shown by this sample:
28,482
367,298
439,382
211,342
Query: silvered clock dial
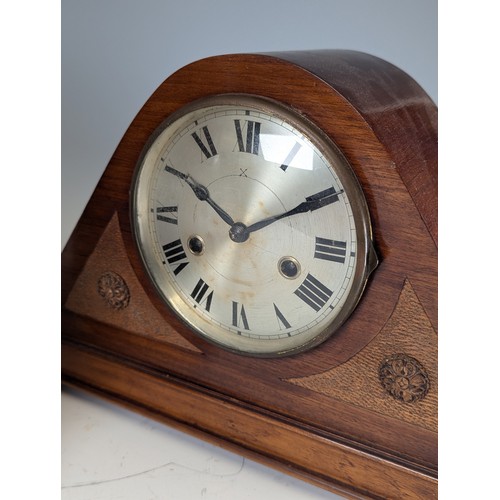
251,225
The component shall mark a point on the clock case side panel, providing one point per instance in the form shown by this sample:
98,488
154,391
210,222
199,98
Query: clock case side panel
404,119
396,107
206,370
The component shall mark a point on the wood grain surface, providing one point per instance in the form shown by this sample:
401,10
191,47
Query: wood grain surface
292,413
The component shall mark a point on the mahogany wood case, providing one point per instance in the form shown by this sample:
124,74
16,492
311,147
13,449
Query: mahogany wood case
356,415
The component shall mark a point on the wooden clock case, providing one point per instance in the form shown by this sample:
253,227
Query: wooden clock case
356,415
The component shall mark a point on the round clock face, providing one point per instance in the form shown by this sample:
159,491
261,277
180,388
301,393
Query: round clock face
251,225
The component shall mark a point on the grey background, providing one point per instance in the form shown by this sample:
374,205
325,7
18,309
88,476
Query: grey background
115,53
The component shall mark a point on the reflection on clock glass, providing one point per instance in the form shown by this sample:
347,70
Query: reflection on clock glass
245,222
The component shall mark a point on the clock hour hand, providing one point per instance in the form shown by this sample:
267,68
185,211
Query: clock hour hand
312,203
201,193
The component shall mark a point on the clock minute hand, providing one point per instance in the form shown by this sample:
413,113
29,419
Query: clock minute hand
201,193
312,203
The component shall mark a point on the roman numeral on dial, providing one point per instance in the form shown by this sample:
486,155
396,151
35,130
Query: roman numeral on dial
207,149
330,250
239,316
199,294
291,155
313,292
175,255
282,322
251,143
167,214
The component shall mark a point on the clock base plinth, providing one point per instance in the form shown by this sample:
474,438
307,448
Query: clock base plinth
271,439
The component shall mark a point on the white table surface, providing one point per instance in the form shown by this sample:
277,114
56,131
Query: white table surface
111,453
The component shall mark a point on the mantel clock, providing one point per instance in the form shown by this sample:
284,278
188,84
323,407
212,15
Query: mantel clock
260,258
